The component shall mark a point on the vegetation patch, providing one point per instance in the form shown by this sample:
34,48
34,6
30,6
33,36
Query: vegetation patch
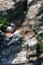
3,23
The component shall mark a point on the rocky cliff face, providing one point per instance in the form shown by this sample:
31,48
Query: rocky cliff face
31,25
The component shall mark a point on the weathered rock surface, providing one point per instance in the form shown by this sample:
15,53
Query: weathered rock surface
7,4
12,52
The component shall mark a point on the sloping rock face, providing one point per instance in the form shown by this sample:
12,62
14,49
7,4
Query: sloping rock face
34,17
12,51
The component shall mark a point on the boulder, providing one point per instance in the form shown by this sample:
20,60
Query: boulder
33,11
6,4
30,2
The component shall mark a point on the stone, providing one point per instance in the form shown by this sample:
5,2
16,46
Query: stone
29,1
14,39
32,42
33,11
6,4
21,58
41,31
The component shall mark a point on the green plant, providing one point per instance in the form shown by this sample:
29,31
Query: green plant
41,47
38,47
33,47
41,35
4,23
30,26
0,20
